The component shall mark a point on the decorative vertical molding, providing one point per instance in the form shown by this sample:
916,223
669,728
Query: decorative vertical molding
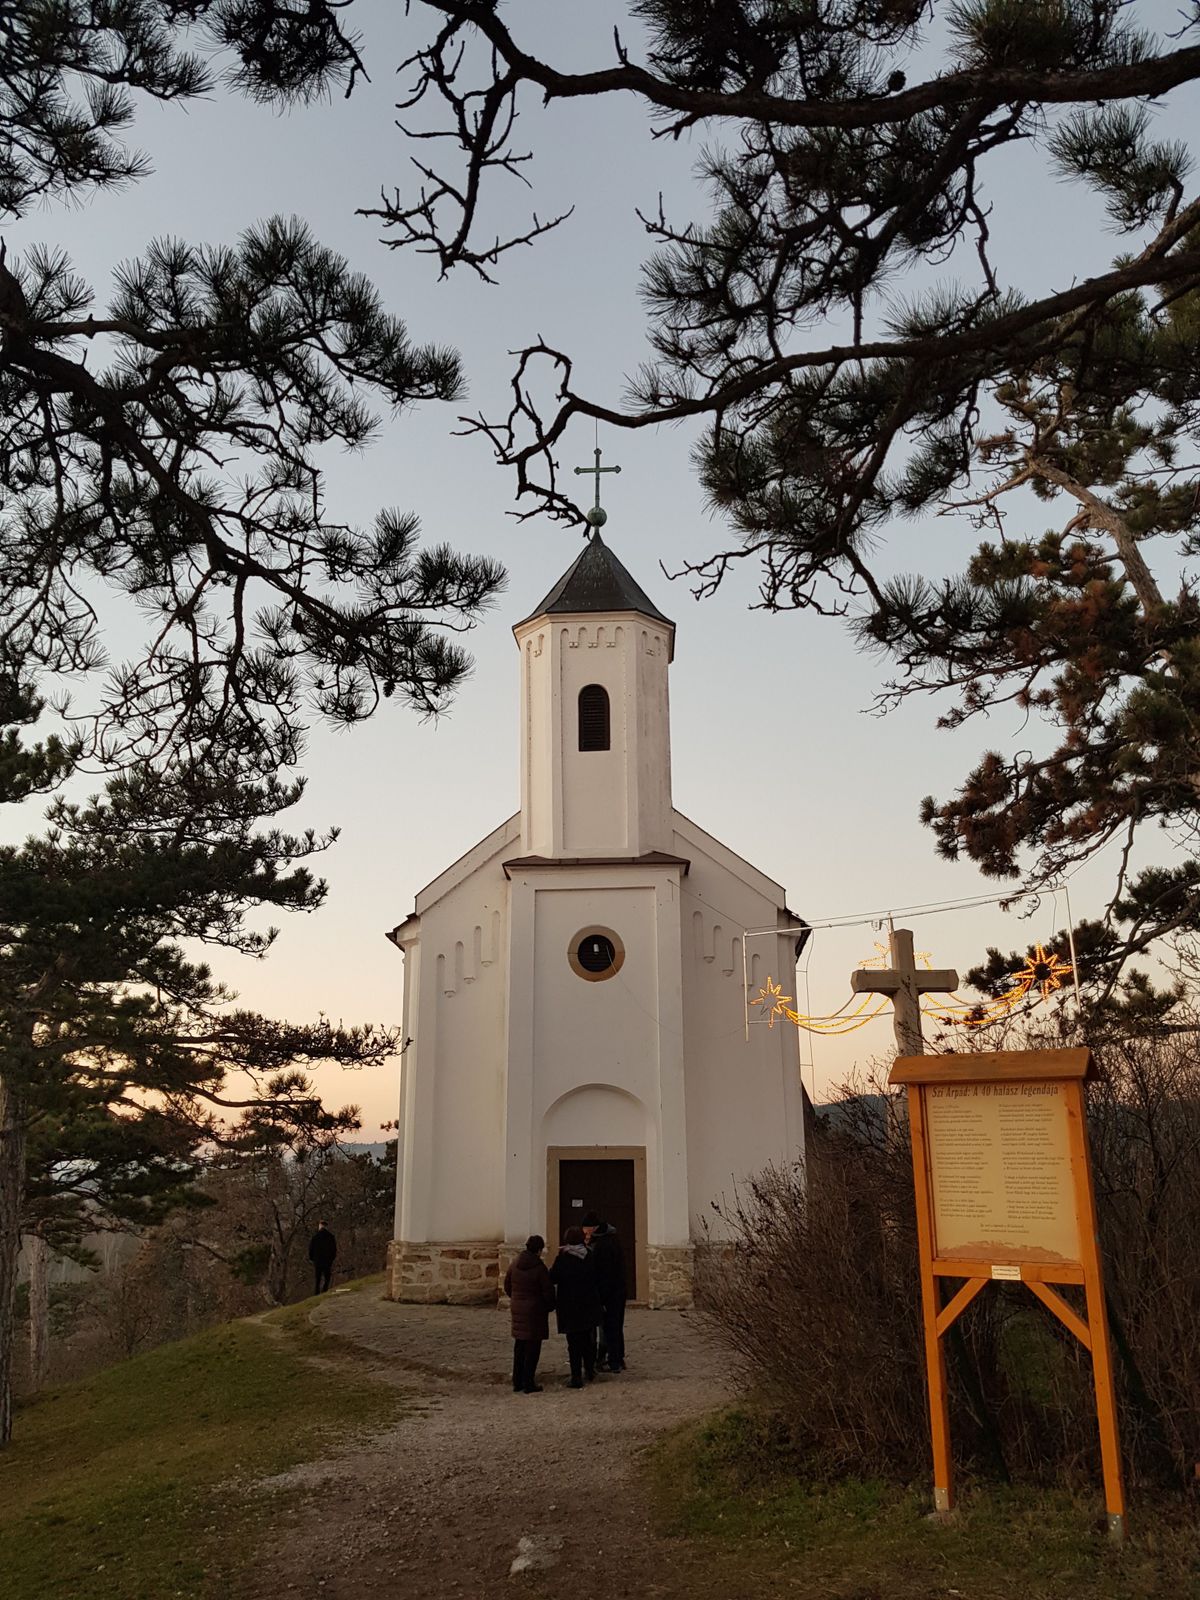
493,943
527,800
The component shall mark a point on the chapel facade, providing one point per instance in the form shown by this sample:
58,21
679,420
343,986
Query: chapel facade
574,986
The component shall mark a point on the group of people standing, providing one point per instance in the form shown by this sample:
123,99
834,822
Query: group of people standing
585,1288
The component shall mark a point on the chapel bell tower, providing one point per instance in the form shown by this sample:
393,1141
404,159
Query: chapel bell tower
595,726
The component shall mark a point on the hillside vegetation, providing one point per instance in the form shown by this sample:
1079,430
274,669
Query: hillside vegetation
126,1486
732,1485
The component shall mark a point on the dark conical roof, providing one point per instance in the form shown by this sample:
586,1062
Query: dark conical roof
597,581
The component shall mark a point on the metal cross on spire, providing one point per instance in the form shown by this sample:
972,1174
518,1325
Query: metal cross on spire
597,516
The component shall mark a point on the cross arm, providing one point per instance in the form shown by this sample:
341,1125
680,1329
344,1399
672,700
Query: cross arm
869,980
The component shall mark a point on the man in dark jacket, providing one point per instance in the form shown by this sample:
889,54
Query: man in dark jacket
609,1261
322,1252
577,1304
531,1296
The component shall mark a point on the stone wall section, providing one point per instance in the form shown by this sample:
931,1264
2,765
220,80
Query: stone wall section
670,1269
458,1274
472,1273
508,1253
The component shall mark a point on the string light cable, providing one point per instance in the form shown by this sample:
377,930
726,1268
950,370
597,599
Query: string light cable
1047,972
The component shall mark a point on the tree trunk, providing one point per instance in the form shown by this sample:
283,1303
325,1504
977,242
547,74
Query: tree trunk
12,1192
39,1310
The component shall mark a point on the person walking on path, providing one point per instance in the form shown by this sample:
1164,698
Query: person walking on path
577,1304
531,1295
322,1252
609,1261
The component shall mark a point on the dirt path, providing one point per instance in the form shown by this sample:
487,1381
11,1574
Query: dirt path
473,1478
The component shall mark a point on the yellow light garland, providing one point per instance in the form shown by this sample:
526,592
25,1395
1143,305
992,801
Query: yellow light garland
1044,971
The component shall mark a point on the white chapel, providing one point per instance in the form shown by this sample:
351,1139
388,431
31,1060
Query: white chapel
574,990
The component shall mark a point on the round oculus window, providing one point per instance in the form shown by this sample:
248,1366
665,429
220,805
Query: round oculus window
596,954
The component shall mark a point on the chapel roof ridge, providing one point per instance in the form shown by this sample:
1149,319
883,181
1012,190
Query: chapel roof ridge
597,581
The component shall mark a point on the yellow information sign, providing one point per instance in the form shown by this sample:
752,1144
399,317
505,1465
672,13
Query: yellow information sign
1000,1172
1004,1191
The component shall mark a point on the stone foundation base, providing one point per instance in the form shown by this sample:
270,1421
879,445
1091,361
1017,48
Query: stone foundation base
472,1273
670,1270
459,1274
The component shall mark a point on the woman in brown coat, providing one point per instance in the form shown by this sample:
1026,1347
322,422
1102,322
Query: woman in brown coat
528,1287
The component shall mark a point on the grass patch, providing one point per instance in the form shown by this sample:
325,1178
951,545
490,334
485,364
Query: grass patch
112,1487
733,1481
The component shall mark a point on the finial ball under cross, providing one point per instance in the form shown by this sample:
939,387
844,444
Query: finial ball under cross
595,515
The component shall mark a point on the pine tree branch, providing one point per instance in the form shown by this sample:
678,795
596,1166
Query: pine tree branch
1099,514
991,86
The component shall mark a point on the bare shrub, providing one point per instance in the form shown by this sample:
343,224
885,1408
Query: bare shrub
810,1280
1144,1116
815,1296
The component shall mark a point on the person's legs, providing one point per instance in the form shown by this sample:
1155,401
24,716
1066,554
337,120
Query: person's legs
518,1365
607,1355
325,1276
602,1345
575,1348
316,1278
533,1352
589,1353
614,1321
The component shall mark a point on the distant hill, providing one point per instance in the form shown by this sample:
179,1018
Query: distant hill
375,1151
837,1114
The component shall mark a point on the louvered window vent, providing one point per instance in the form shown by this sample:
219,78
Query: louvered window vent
593,718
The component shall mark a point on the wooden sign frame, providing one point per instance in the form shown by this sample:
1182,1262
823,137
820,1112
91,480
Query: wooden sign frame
1067,1070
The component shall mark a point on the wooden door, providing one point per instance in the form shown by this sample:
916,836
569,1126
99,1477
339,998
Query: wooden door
606,1187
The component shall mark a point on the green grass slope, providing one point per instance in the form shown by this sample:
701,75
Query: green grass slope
730,1482
124,1486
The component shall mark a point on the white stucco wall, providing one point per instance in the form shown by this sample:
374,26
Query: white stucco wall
595,802
450,1182
744,1099
622,1037
574,1119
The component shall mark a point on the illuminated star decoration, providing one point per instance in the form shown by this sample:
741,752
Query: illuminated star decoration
772,1003
1042,971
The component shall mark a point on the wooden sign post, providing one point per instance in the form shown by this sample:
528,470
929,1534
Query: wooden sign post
1004,1191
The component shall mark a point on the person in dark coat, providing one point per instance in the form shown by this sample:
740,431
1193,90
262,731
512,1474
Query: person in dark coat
577,1304
531,1294
609,1261
322,1252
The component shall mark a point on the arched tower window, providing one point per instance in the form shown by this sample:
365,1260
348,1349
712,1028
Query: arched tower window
593,717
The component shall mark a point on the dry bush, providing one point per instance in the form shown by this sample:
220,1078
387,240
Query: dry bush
816,1297
1144,1116
814,1290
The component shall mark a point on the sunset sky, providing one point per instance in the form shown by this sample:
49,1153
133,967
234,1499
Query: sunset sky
773,749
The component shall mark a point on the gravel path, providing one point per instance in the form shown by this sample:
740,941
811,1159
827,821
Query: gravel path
477,1491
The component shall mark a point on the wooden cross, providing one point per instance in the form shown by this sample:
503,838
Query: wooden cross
906,983
597,516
